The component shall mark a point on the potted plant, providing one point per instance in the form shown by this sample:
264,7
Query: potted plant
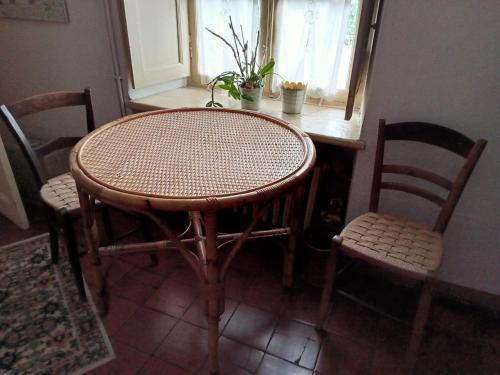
247,82
293,95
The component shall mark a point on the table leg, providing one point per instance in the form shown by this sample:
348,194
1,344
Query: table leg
90,231
311,199
213,290
295,226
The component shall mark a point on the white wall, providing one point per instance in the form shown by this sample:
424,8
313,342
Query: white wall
38,57
439,61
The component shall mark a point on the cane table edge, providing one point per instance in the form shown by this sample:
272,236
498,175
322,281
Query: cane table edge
127,199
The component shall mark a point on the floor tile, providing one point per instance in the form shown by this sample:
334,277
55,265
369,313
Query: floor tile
459,338
235,358
295,342
490,339
145,330
269,281
454,318
138,260
237,283
391,342
368,284
228,368
247,260
350,320
184,273
340,355
490,359
240,355
156,366
137,285
272,302
146,277
120,310
12,233
185,346
490,332
251,326
128,361
444,354
276,366
114,268
196,313
273,262
117,269
302,305
168,261
173,298
266,293
271,254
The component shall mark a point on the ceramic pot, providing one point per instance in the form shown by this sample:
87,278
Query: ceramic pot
255,94
292,100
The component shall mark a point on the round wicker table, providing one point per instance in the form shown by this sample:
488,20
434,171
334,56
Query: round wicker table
197,160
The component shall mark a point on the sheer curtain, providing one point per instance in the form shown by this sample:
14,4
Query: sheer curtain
313,44
214,56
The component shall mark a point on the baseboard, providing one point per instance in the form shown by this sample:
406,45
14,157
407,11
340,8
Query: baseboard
445,290
484,300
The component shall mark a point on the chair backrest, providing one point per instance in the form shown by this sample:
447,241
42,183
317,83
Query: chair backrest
435,135
13,112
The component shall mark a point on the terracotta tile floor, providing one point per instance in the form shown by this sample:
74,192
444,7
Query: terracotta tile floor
157,326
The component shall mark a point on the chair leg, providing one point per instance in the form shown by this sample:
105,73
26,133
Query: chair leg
106,222
54,243
147,234
329,280
419,323
74,258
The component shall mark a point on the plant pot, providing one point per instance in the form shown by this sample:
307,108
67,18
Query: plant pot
292,100
255,94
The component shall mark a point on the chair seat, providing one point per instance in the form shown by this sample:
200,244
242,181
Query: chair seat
60,193
399,244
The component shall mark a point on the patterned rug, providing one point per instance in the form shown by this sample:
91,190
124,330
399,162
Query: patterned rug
44,327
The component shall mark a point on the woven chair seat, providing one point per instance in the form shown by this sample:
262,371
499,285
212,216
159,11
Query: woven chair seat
398,243
60,193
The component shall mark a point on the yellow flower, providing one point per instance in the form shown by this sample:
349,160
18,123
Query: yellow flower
293,85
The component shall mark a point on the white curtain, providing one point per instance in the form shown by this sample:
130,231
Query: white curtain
312,45
214,56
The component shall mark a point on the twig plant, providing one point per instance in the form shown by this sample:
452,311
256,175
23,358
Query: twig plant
249,74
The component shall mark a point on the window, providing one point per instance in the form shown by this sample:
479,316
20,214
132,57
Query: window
213,56
311,41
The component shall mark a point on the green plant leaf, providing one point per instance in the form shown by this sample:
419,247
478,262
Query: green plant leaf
225,86
266,69
212,103
234,92
247,97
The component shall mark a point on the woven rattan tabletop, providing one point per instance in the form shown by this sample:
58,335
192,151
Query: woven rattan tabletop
192,155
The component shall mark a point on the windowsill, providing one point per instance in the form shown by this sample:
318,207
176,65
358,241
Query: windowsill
323,124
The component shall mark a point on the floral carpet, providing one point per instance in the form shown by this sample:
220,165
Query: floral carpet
44,326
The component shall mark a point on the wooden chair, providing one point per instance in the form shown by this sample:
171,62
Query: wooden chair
59,193
397,244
